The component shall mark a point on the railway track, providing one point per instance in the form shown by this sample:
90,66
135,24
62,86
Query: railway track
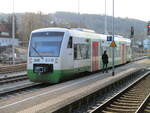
145,106
17,87
130,100
13,79
13,68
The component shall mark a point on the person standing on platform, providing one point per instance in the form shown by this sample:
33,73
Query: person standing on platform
105,61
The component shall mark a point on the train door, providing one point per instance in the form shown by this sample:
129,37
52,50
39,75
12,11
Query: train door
69,54
95,56
122,53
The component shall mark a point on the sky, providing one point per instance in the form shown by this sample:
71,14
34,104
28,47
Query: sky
136,9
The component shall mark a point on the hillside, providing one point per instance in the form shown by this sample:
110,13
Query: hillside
96,22
26,22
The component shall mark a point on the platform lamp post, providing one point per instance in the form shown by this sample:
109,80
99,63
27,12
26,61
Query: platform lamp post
113,48
79,13
105,28
13,34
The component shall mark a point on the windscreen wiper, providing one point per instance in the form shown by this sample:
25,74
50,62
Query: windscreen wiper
37,52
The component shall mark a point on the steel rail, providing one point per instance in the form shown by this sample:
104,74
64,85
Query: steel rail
144,105
13,79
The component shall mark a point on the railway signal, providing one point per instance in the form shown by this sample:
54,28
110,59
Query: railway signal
148,28
132,32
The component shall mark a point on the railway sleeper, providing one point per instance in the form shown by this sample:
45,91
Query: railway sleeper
138,91
125,103
124,107
148,107
147,110
130,96
120,110
107,112
128,101
135,95
131,100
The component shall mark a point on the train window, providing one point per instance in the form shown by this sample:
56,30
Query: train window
85,51
70,43
46,44
81,51
47,34
75,51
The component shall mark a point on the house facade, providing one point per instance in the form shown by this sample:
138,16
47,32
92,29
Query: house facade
5,38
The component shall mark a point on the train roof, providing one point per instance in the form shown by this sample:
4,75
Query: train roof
79,32
50,29
94,35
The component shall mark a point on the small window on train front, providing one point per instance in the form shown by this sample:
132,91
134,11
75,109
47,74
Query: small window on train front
70,43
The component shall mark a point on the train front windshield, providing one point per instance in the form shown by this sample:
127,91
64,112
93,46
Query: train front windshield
45,44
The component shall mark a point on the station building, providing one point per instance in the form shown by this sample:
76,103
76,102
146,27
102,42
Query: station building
5,38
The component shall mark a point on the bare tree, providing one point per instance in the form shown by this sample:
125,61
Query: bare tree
32,21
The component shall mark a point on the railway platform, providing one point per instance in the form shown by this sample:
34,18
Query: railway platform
54,97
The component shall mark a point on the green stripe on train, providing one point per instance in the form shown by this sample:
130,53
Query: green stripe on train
56,75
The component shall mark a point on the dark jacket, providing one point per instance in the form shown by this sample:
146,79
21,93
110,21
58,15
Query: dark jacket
105,58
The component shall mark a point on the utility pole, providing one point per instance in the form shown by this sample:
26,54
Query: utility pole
79,13
13,34
113,49
105,29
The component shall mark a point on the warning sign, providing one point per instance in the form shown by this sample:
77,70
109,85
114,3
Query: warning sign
113,44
